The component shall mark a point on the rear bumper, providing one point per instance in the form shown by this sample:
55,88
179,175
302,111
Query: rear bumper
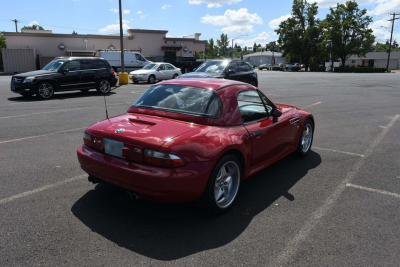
155,184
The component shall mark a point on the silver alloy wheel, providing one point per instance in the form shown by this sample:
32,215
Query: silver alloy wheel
227,184
104,86
152,79
306,138
45,90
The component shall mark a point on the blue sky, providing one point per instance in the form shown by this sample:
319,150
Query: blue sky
256,19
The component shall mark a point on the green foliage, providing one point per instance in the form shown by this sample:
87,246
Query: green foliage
317,69
223,44
276,68
2,45
381,47
295,68
300,35
74,32
348,28
33,27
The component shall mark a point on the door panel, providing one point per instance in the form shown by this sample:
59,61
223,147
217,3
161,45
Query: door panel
70,80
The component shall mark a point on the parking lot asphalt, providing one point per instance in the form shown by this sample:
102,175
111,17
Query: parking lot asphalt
339,206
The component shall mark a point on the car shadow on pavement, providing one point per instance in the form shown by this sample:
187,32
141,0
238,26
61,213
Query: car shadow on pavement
170,232
60,96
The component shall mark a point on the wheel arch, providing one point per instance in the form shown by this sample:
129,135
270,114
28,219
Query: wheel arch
237,153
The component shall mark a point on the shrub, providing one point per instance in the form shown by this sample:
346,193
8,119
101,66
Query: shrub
276,68
295,68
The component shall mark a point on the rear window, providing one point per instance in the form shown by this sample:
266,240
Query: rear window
181,99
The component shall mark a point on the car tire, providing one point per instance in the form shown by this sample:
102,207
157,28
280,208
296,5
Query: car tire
175,76
103,86
151,79
306,139
223,185
44,90
135,82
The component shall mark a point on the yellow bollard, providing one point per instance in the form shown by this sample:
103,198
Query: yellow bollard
123,78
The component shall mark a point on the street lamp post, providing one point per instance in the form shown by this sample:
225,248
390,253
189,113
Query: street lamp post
330,54
234,40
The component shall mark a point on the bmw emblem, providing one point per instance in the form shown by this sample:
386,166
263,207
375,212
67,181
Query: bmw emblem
120,130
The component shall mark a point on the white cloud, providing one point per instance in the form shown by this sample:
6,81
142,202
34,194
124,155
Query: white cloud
33,23
237,29
113,28
240,17
139,12
385,7
144,16
213,3
259,39
114,10
124,21
382,29
126,11
275,22
165,6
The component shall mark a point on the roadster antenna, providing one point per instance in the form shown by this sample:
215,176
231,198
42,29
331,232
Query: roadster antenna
105,104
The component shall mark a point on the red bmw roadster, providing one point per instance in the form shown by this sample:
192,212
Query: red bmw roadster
194,139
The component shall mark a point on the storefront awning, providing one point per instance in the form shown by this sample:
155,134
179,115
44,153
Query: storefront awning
171,48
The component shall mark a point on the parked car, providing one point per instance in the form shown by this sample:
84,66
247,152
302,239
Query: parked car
194,140
238,70
292,65
132,60
66,74
155,72
263,66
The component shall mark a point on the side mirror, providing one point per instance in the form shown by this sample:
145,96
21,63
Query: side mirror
231,71
276,113
158,69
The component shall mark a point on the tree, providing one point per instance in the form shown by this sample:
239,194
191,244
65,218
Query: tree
300,35
210,49
223,45
384,47
255,47
74,32
347,28
33,27
2,45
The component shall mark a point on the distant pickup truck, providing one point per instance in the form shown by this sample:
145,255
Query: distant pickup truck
186,64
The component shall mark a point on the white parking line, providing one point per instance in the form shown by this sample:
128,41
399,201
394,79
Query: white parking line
61,110
315,219
40,135
312,105
373,190
40,189
337,151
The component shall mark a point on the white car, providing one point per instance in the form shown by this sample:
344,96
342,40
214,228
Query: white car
155,72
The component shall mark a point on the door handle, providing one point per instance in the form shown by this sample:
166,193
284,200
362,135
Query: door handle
258,133
295,120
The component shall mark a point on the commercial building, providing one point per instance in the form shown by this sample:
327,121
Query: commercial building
259,58
376,59
46,45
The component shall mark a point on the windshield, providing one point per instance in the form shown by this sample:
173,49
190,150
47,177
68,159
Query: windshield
150,67
181,99
53,65
213,66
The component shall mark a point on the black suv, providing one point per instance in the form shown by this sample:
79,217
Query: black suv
238,70
66,74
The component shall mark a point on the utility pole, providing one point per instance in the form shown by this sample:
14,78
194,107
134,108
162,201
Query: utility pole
391,36
121,37
16,22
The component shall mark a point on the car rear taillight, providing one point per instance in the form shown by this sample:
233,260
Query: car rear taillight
113,73
161,159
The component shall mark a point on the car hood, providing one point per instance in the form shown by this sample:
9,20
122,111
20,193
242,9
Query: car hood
35,73
141,72
140,130
202,75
